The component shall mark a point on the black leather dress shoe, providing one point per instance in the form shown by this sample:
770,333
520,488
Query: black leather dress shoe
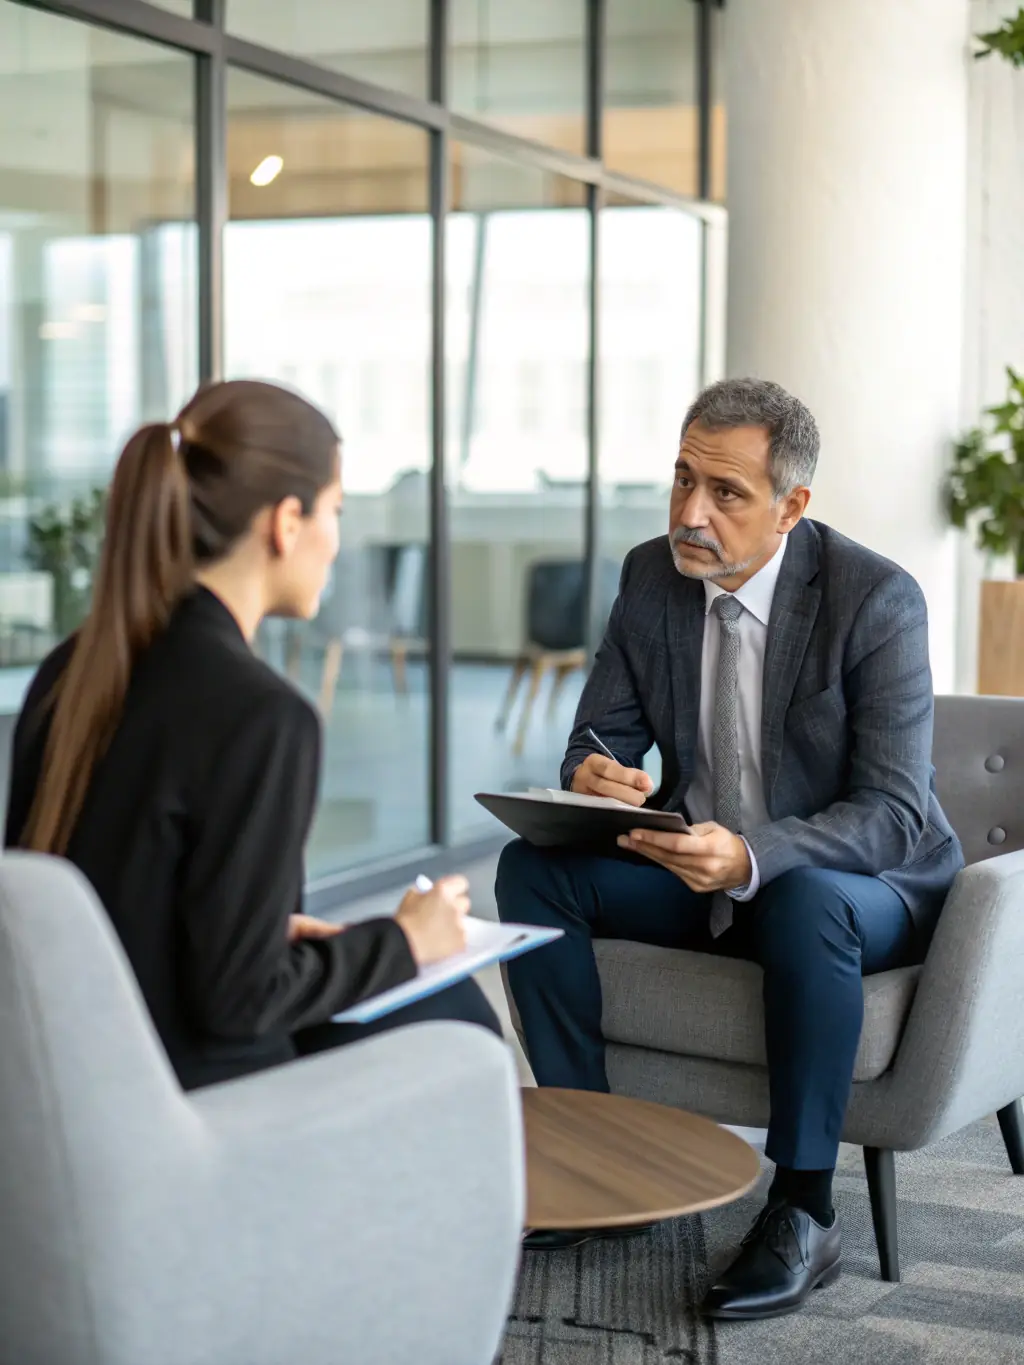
784,1256
552,1239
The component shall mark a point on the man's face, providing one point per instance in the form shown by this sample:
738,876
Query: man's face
724,522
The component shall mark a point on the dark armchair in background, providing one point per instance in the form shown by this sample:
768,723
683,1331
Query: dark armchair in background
555,631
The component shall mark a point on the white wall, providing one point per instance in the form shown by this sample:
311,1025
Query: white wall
991,331
994,298
847,200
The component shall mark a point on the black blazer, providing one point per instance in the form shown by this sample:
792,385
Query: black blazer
846,725
192,834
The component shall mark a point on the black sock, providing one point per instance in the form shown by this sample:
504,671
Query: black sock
807,1190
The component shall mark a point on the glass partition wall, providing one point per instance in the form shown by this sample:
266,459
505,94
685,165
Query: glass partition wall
479,234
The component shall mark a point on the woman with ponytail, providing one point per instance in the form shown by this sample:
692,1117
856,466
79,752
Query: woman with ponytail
179,773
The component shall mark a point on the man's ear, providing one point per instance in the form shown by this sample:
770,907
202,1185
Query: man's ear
792,507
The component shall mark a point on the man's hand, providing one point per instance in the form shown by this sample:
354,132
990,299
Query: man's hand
307,926
600,776
711,858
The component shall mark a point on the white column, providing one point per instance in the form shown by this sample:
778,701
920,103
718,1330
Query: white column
847,200
994,309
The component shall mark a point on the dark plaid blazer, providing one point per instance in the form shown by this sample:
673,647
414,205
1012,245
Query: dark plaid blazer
846,726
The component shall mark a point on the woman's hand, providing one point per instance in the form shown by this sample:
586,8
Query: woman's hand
307,926
432,920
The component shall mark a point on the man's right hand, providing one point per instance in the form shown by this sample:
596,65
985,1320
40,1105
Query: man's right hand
433,921
600,776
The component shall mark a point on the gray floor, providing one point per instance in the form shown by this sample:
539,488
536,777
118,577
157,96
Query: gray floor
961,1300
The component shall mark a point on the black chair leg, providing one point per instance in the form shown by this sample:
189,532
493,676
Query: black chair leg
1011,1124
881,1170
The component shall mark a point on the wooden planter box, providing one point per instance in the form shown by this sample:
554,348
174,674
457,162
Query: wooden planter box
1001,639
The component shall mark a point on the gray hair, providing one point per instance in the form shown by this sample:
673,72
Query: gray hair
793,439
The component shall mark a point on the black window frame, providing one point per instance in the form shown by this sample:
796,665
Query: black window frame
215,50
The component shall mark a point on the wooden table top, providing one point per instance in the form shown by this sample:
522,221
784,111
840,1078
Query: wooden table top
596,1160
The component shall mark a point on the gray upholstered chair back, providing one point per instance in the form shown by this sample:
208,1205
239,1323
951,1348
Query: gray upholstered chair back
143,1226
979,771
85,1087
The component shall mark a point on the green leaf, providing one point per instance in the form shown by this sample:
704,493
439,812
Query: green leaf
1007,40
1003,415
984,487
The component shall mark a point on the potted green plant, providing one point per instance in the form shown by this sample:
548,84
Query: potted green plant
985,494
64,541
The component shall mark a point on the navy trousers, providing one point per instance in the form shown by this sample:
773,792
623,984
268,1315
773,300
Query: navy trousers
814,932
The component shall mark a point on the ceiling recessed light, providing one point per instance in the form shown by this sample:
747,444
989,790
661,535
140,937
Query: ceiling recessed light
268,169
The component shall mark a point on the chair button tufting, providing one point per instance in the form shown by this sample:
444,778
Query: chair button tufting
997,835
994,763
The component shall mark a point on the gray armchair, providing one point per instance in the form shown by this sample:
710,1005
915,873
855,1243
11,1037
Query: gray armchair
361,1205
942,1045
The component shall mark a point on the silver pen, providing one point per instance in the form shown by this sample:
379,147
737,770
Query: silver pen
601,745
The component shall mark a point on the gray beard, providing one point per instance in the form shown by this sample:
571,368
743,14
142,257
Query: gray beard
722,569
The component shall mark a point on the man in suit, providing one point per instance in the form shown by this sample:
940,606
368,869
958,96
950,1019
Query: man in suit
782,671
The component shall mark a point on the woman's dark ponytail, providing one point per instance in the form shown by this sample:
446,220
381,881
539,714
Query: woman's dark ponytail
145,568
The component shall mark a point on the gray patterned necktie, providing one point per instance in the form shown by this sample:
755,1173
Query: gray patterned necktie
725,751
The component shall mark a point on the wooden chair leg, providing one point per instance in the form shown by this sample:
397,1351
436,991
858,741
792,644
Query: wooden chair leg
540,668
562,673
519,671
399,655
333,655
1011,1124
880,1165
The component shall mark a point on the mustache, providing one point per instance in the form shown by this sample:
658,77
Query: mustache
683,535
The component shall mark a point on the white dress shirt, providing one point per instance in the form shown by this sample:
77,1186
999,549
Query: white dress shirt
755,596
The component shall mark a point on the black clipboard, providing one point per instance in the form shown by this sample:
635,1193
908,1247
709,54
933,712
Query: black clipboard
552,824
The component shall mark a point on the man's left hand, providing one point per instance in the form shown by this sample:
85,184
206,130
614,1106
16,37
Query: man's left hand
709,858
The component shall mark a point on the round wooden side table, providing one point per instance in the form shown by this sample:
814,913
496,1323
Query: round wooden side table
596,1160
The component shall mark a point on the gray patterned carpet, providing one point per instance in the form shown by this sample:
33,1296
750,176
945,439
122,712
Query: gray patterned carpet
961,1299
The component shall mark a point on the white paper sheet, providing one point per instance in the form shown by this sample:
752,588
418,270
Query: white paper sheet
486,943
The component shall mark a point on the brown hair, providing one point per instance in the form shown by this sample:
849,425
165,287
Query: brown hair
183,494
